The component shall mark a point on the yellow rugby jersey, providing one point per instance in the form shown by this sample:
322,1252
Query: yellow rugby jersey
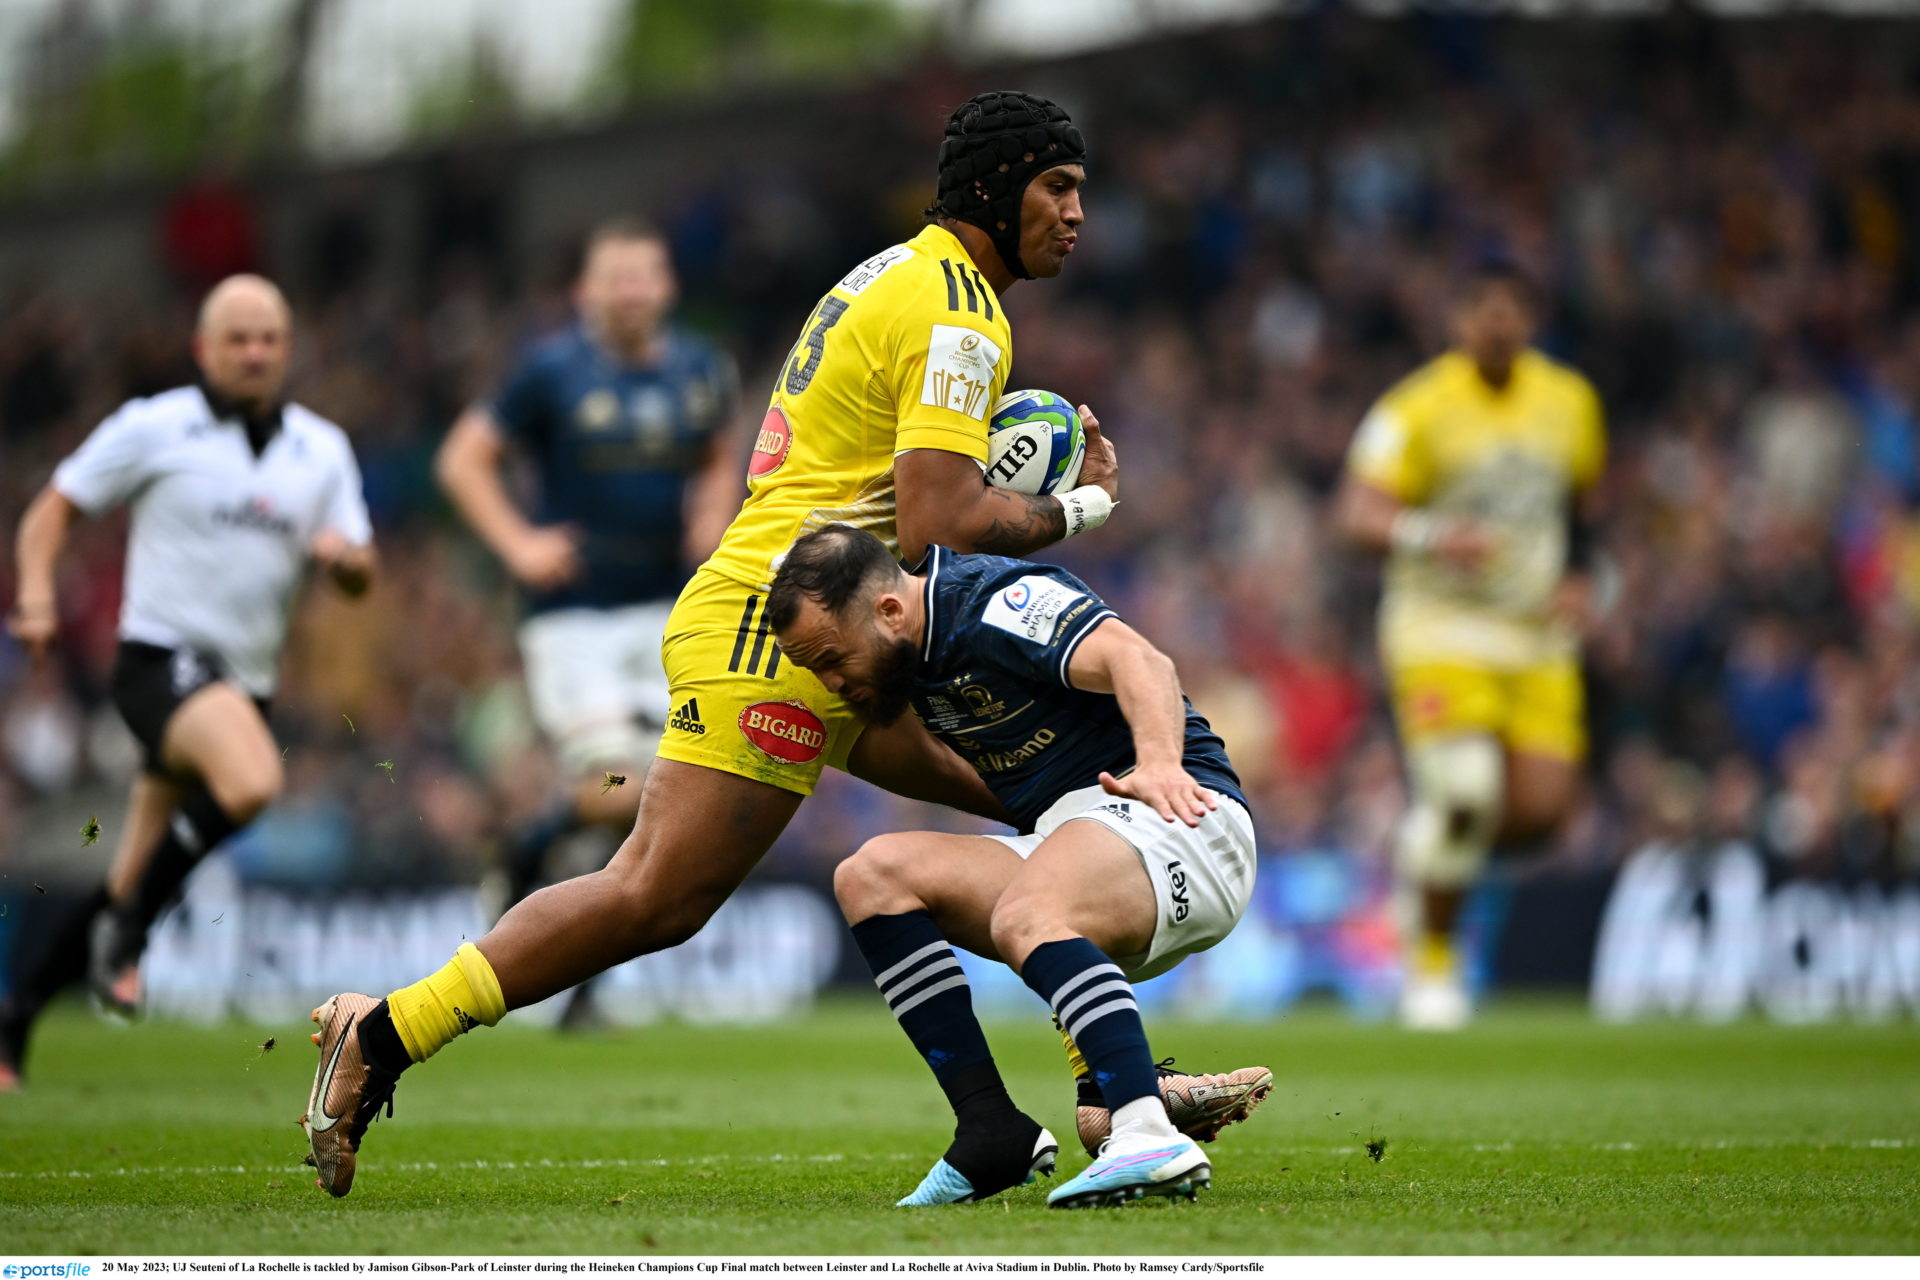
908,351
1513,459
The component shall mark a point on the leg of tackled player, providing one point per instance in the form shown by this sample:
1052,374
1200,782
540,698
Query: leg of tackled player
904,896
1080,899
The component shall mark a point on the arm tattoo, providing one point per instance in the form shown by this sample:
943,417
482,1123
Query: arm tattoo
1040,521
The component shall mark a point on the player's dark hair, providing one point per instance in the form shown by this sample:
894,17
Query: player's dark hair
1499,273
622,228
831,566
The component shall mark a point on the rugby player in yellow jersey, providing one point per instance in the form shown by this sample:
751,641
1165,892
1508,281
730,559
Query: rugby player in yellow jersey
1473,475
878,420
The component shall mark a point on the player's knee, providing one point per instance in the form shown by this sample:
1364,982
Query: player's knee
657,921
1446,836
1460,779
649,911
1538,802
244,795
859,881
670,928
876,880
1021,922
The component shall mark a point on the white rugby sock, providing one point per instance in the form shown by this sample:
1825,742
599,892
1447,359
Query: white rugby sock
1142,1123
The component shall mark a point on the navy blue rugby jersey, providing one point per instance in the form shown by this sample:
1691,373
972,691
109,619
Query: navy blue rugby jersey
614,446
992,684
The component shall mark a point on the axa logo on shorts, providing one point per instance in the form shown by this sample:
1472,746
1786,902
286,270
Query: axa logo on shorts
1177,890
786,731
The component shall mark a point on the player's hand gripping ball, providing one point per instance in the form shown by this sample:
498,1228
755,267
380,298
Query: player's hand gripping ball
1035,443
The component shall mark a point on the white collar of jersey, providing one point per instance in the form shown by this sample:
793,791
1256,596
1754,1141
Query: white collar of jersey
929,565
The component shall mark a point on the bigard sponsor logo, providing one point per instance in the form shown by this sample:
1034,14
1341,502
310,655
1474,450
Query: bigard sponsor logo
771,446
787,731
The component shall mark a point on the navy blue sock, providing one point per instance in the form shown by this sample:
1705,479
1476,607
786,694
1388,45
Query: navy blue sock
917,972
1094,1001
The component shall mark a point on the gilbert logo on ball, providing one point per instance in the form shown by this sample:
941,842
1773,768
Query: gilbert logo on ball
1035,443
787,731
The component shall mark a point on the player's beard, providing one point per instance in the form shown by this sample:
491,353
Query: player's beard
892,689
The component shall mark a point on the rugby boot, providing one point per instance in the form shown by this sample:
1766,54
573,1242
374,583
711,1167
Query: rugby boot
348,1092
13,1047
993,1162
1435,1002
1200,1106
1156,1167
113,966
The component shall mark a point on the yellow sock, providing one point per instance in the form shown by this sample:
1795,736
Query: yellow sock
1075,1059
461,996
1435,957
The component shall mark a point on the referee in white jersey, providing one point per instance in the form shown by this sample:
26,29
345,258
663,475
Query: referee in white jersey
233,492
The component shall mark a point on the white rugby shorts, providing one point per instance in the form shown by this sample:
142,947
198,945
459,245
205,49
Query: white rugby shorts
1202,876
594,677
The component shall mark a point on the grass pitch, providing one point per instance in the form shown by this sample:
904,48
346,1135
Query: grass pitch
1535,1131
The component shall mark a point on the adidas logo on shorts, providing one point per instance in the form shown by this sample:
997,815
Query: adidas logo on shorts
687,718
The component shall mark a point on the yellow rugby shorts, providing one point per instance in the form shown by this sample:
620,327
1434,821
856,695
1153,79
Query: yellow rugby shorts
1536,710
735,703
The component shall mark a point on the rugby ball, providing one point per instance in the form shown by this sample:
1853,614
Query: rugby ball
1035,443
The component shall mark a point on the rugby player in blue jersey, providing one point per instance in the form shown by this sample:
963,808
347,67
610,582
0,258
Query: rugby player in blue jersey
1140,848
623,419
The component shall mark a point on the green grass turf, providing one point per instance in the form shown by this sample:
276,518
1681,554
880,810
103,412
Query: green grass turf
1535,1131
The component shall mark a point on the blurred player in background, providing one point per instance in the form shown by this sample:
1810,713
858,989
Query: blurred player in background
624,421
234,492
1474,475
878,420
1141,849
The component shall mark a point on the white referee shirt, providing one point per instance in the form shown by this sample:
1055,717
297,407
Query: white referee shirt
219,538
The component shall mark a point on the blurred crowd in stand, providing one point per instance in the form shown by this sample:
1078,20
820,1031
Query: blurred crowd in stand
1725,224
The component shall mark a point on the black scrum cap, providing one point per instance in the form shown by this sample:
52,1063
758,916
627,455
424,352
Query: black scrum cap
984,169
